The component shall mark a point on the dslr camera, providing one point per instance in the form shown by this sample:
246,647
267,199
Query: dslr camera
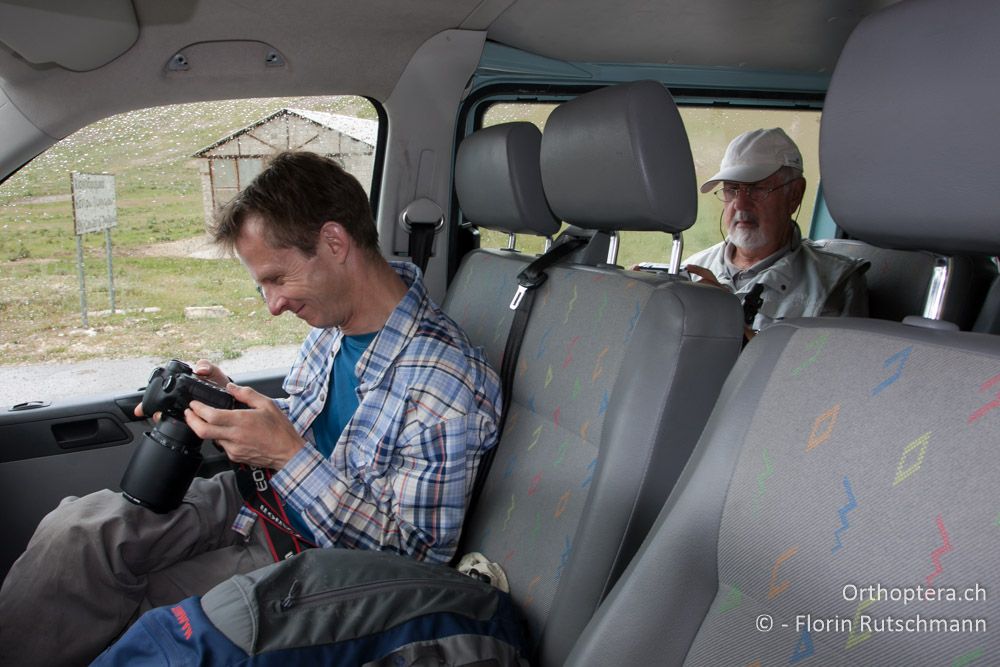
167,458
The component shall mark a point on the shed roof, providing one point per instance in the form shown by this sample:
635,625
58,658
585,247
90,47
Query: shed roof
362,129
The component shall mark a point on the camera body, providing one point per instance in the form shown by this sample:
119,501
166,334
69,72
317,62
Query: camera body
167,458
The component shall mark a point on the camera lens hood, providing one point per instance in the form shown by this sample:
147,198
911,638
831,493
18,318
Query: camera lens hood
162,466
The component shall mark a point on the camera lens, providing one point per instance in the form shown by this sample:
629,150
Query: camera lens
162,466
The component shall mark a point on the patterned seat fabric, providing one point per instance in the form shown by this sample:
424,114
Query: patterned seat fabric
617,373
850,464
479,296
835,514
608,394
817,484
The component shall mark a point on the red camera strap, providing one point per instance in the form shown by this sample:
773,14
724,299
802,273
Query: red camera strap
255,486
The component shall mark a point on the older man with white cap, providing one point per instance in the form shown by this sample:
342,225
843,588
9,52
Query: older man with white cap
761,184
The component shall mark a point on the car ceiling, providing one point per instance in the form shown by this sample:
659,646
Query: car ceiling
784,35
362,47
329,47
340,46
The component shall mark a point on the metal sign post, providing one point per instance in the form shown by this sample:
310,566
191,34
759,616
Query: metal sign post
111,274
83,281
94,209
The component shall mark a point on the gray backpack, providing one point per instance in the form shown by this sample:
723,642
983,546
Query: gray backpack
333,607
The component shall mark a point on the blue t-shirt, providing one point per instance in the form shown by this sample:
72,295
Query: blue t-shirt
342,396
341,404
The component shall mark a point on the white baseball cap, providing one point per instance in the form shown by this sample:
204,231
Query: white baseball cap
755,155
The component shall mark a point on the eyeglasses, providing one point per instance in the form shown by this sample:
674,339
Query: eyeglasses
260,291
756,193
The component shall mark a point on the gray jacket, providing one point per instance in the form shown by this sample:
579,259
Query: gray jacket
806,281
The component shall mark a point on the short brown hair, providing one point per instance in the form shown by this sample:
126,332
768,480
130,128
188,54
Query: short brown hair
295,195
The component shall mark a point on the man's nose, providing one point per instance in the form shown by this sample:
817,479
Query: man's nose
742,198
276,304
743,191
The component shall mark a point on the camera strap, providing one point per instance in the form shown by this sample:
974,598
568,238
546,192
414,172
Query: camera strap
255,486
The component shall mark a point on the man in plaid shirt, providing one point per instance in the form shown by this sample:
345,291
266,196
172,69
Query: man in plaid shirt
390,410
402,468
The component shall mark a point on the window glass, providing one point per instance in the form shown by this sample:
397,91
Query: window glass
248,168
224,173
174,296
710,130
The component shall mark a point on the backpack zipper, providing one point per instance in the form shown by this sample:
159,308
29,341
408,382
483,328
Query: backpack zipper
293,599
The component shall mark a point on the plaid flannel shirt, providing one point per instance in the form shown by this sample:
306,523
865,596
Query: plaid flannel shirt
403,469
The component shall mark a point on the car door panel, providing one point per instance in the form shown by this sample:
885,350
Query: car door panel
75,447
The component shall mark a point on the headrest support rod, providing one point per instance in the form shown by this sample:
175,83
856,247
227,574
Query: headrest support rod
940,277
511,242
613,244
676,250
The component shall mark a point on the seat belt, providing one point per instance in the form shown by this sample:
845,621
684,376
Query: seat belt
529,280
421,219
421,242
751,305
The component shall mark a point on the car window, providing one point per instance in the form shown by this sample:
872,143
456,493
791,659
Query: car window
174,296
709,131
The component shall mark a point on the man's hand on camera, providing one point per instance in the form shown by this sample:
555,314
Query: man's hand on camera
140,414
260,436
206,370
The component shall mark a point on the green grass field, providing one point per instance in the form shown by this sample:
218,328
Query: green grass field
43,323
160,200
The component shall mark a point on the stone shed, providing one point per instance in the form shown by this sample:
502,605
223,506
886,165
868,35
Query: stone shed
232,162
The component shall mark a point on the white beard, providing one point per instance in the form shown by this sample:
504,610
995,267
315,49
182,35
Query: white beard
743,237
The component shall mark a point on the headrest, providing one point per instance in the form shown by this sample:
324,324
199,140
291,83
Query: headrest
618,159
499,183
909,151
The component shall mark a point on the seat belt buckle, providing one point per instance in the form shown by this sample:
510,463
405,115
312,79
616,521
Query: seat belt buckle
526,280
518,295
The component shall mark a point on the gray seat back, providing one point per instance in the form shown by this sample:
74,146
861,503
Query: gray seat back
899,281
848,461
617,372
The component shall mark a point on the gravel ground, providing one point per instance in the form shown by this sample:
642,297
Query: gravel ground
51,382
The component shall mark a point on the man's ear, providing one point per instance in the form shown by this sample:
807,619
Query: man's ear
334,237
797,193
